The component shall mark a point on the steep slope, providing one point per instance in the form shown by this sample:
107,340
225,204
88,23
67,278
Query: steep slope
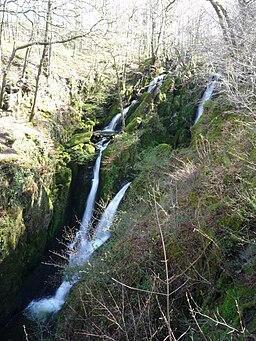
182,258
34,193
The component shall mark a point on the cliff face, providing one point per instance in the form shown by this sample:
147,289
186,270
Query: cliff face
34,191
35,157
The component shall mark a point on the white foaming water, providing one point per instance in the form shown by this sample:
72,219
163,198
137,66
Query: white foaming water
41,310
207,95
102,232
82,234
111,127
157,81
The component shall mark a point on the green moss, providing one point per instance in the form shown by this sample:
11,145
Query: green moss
62,185
11,228
81,153
134,124
89,148
143,108
78,138
118,161
168,85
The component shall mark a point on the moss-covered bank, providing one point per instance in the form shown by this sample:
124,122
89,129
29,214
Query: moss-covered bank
181,260
35,183
161,117
34,192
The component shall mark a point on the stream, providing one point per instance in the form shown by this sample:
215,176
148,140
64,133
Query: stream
83,245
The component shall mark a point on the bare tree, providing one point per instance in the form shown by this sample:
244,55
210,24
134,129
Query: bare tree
37,35
43,57
239,62
225,23
158,9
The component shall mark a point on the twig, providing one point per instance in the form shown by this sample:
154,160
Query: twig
25,332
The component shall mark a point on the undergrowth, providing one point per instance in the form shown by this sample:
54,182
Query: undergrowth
181,261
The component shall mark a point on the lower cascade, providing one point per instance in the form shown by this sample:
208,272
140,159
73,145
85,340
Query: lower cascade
41,310
82,247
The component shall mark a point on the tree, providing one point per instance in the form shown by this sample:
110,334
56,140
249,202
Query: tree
43,57
158,11
239,63
225,23
38,35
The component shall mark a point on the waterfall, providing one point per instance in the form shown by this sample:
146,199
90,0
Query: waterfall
82,246
157,81
112,125
117,119
87,217
207,94
41,310
82,234
102,232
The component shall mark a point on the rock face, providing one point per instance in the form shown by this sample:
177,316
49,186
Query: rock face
161,117
34,182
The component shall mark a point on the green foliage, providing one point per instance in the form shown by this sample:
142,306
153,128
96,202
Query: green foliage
79,138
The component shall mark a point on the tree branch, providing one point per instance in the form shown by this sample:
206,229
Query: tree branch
169,5
62,41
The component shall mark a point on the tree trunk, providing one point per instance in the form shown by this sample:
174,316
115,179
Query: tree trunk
152,41
4,75
225,24
42,61
120,98
1,37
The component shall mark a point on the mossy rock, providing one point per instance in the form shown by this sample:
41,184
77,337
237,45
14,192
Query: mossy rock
59,215
79,138
168,84
63,176
13,253
134,124
111,110
81,153
117,163
143,108
89,148
88,125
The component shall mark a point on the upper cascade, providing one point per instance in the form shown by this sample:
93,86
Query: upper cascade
157,81
82,234
207,94
116,120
